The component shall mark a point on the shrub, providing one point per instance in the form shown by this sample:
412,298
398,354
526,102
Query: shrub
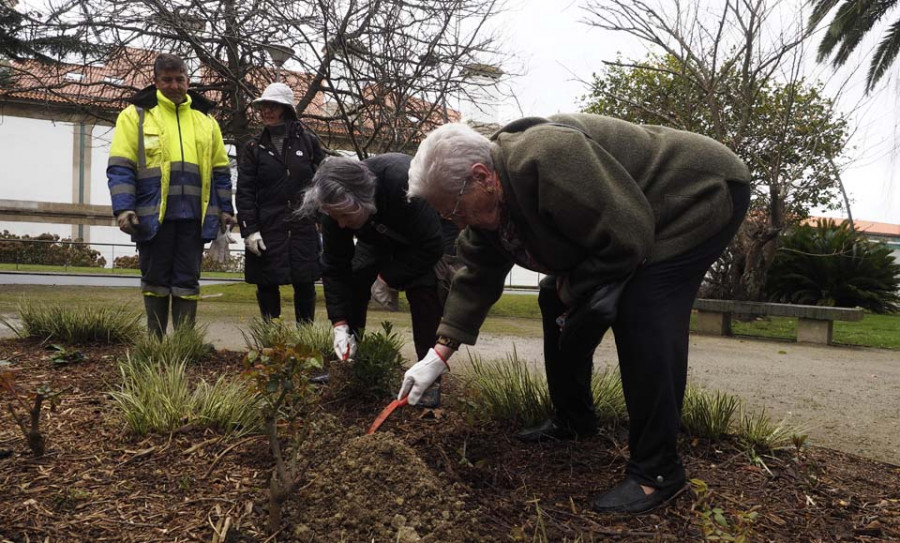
507,390
232,263
76,325
157,397
127,262
378,365
186,343
707,414
830,264
48,249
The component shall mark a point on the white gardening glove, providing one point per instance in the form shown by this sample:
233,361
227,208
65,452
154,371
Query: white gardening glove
421,376
254,243
344,342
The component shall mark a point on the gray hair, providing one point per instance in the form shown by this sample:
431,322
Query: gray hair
444,160
340,184
167,62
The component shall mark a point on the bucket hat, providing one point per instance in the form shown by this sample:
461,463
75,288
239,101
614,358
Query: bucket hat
278,93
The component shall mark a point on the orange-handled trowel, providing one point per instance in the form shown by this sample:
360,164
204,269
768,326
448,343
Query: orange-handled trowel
385,414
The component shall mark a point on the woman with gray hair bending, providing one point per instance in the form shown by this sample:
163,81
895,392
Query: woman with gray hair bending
624,220
398,239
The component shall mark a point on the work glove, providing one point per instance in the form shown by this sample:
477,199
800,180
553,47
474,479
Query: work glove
254,243
128,222
226,221
344,342
421,376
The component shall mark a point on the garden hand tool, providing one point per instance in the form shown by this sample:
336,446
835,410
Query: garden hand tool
385,414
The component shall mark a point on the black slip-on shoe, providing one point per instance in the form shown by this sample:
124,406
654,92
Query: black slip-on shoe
550,430
629,497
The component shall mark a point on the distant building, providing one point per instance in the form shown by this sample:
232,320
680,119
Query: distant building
876,231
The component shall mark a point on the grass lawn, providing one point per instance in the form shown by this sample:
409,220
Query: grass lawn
514,314
95,270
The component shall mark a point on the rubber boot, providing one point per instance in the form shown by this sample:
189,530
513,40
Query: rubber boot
157,308
184,312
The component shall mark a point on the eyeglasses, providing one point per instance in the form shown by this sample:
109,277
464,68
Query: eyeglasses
459,196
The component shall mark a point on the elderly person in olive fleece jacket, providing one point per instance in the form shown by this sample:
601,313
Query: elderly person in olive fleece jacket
624,220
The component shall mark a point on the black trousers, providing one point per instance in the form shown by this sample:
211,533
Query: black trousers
651,332
425,306
269,299
170,262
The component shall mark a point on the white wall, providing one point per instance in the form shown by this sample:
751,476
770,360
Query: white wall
36,158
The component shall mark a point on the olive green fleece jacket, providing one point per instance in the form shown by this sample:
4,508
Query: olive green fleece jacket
592,203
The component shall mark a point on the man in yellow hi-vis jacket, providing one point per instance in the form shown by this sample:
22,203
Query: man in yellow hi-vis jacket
170,185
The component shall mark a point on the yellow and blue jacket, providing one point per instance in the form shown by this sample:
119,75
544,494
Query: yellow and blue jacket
169,162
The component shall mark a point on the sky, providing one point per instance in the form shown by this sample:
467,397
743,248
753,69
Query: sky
559,53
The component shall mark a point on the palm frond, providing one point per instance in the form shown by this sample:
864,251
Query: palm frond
884,56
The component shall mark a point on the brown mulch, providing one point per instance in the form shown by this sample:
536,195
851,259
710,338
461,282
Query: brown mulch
432,475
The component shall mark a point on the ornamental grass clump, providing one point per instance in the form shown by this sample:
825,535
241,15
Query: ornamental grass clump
76,324
265,334
708,414
187,343
228,405
156,396
317,336
378,365
507,390
758,432
609,399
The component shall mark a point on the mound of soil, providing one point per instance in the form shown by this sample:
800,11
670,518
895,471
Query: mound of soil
377,488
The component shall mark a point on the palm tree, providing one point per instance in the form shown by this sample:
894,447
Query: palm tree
852,21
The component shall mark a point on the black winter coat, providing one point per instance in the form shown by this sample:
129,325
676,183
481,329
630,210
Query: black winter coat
404,236
269,190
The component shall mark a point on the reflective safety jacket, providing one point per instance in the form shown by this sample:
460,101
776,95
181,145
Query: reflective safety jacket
153,138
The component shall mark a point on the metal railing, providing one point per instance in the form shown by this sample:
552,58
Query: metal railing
93,257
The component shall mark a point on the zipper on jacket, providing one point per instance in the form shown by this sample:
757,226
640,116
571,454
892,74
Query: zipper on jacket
180,141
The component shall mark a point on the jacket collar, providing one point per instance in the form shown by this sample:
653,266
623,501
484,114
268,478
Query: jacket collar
147,98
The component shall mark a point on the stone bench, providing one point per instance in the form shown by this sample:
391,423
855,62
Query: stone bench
814,323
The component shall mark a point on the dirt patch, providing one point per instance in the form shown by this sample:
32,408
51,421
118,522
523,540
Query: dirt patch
426,476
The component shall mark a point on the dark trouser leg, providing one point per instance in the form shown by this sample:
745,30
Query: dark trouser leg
652,341
305,302
155,258
425,309
568,370
186,264
269,299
